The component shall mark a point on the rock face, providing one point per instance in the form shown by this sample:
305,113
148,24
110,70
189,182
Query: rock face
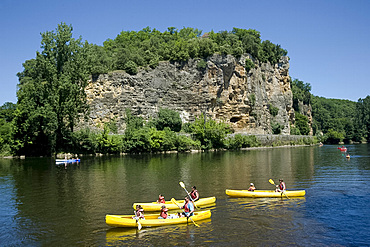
223,90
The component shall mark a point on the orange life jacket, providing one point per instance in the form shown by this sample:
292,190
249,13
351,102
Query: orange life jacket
193,194
164,213
161,199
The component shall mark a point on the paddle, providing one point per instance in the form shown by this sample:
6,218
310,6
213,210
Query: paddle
138,225
272,182
183,186
137,221
175,202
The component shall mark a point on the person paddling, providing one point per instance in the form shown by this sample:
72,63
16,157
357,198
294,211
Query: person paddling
161,199
188,207
281,187
251,187
139,213
194,193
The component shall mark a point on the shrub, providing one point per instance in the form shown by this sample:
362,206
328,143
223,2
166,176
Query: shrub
276,127
252,99
273,110
242,141
301,122
209,133
334,137
294,131
168,118
249,65
202,64
131,67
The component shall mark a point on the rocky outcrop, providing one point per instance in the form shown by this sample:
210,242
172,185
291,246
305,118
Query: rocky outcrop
223,90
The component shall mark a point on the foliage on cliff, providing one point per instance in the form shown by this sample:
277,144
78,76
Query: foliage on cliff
131,49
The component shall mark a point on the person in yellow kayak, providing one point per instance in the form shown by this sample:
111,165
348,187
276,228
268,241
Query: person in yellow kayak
281,187
163,214
139,213
188,207
251,187
161,199
194,193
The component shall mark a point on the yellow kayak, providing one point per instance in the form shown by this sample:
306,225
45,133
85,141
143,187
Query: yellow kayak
264,193
154,206
152,220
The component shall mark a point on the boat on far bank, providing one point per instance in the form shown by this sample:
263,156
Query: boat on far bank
66,161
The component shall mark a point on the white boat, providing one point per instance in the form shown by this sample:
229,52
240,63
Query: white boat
64,161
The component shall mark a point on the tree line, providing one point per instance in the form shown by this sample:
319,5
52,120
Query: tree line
131,49
334,120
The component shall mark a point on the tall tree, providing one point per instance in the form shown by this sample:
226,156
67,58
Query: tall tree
51,93
362,120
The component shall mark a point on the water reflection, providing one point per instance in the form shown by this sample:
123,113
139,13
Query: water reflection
47,205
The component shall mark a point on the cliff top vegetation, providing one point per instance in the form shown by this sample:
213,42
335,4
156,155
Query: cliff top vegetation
131,49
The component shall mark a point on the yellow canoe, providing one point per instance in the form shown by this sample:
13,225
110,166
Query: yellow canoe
154,206
264,193
151,220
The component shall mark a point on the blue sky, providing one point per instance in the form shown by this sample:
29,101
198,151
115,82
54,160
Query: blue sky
328,41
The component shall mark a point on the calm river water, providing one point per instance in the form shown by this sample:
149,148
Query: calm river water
47,205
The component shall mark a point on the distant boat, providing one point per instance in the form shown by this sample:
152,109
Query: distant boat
64,161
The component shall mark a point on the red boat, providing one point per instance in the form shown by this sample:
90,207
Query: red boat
342,149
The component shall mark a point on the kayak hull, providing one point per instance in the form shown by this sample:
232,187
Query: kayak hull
264,193
152,220
154,206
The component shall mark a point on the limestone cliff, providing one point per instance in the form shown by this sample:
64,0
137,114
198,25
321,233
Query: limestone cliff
223,90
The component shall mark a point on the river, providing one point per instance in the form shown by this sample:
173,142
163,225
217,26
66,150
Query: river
44,204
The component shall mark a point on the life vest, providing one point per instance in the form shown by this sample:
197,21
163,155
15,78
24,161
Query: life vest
186,208
161,200
282,186
139,213
193,194
164,213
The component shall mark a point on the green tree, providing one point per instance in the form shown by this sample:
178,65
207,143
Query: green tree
210,133
51,94
168,118
335,114
7,111
301,123
362,119
334,137
301,93
132,123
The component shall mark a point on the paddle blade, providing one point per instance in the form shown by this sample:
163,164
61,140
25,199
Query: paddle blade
271,181
195,224
286,195
182,185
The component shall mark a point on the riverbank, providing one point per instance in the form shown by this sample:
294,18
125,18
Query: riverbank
266,141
